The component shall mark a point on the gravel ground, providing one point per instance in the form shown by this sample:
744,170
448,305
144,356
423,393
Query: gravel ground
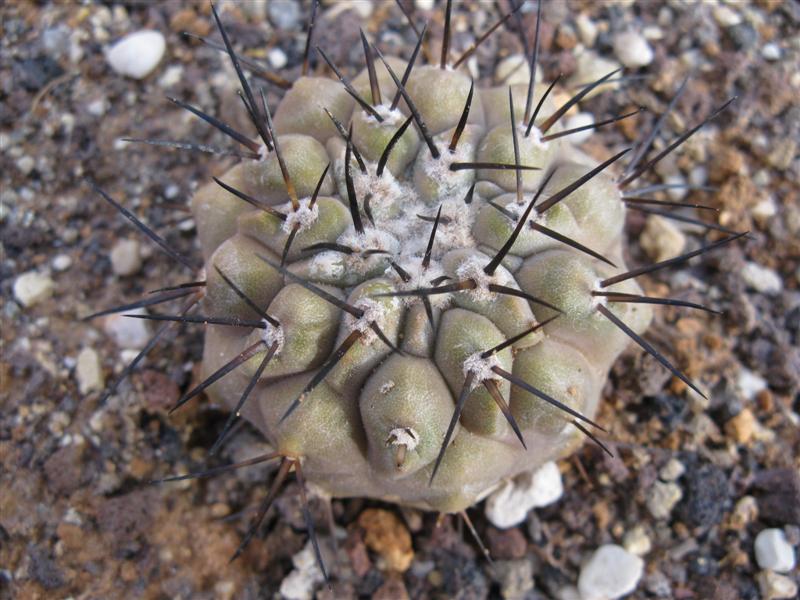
693,481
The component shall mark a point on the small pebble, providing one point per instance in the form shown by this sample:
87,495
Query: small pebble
672,470
662,498
125,258
661,239
726,16
587,30
590,67
514,70
386,535
509,505
742,426
137,54
31,288
284,14
762,279
610,573
581,119
277,58
423,4
128,332
750,383
514,576
61,262
636,541
632,49
773,551
764,210
300,583
771,51
774,586
89,371
679,192
172,76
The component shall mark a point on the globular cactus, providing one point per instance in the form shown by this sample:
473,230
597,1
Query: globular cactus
415,288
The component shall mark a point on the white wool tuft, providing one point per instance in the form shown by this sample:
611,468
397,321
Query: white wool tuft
403,436
472,268
374,312
481,368
272,335
304,216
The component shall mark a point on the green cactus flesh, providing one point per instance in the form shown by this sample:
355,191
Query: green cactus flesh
376,323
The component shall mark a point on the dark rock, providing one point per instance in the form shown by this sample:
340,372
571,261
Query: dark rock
780,502
35,73
707,494
505,544
63,470
462,577
392,589
744,36
44,570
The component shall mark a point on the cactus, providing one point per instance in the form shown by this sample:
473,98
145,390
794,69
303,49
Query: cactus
414,287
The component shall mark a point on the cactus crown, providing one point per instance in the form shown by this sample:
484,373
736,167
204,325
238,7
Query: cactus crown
413,286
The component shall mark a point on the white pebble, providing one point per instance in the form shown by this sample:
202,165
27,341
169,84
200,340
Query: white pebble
277,58
672,470
128,332
610,573
137,54
423,4
726,16
587,30
773,551
661,239
750,383
61,262
679,192
509,505
632,49
762,279
299,584
88,371
26,164
662,498
636,541
172,76
125,258
764,210
581,119
774,586
31,288
513,70
771,51
590,66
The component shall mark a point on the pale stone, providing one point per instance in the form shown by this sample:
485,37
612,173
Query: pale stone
774,586
509,504
610,573
661,239
662,498
88,371
632,49
125,258
636,541
762,279
128,332
773,551
137,54
581,119
750,383
31,288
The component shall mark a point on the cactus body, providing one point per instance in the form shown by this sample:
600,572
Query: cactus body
395,366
